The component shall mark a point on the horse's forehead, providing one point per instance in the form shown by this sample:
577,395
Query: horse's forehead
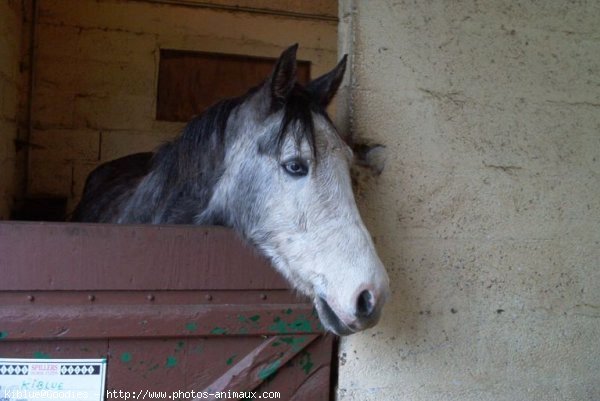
327,138
327,142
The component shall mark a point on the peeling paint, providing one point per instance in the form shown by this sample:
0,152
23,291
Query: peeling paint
230,359
41,355
171,361
218,330
269,370
253,320
278,326
126,357
191,326
294,342
3,335
306,362
301,324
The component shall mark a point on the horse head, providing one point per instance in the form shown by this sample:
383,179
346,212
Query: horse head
285,185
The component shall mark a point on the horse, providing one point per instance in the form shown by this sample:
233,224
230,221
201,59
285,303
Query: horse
271,165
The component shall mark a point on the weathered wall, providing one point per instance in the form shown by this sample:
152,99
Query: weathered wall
487,214
10,54
95,83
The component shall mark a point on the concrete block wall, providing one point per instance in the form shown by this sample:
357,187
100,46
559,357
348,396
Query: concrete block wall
10,55
487,213
94,95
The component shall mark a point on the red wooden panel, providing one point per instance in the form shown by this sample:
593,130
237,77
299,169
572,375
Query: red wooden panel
298,366
160,364
307,376
190,82
170,308
71,256
258,365
109,321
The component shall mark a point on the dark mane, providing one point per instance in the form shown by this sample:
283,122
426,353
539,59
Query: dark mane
184,171
165,183
297,121
201,146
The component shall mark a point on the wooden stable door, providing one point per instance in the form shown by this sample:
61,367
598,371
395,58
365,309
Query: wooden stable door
172,309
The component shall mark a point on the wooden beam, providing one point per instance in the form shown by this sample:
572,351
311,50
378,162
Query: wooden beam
267,8
258,365
74,256
56,322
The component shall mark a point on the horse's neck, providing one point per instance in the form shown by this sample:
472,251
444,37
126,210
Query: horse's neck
144,204
171,193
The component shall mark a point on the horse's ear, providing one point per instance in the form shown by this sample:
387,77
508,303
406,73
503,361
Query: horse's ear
325,87
283,78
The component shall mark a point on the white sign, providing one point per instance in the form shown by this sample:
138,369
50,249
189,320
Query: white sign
52,379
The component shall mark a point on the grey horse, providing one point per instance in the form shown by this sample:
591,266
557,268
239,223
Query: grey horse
271,165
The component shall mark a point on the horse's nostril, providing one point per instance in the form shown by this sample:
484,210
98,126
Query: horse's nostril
365,305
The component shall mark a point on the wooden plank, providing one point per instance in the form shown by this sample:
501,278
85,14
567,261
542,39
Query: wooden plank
149,364
72,256
174,364
323,10
187,297
170,307
123,321
260,364
54,349
315,388
190,82
307,375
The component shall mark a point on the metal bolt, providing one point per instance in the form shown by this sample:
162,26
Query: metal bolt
91,298
263,296
150,297
30,298
208,297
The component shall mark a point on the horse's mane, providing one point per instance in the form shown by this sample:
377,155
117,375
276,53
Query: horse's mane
184,171
199,149
297,121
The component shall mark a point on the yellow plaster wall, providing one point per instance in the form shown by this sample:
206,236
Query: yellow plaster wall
487,214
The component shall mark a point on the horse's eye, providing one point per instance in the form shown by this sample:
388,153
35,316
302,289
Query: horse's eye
295,167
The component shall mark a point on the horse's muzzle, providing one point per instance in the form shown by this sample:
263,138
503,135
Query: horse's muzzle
330,320
366,314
